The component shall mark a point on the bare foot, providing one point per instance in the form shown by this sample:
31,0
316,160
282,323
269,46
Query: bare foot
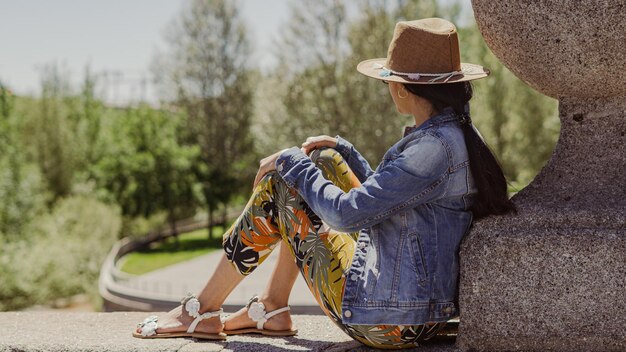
240,319
178,320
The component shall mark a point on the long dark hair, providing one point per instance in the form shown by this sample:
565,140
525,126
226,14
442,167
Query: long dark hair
488,177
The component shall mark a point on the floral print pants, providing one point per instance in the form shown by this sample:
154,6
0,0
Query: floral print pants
277,213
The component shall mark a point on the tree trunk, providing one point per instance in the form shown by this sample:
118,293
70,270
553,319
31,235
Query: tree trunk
224,215
174,229
210,222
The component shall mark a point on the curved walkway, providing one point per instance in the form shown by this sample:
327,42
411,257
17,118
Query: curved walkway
171,283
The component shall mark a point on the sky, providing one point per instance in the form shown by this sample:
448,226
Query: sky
116,38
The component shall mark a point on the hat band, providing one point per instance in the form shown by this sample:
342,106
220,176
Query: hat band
415,76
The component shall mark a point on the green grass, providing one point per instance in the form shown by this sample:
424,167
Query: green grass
162,254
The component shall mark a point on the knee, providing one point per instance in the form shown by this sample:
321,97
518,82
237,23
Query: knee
269,179
325,155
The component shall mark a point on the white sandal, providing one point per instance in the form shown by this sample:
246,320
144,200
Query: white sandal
256,312
147,328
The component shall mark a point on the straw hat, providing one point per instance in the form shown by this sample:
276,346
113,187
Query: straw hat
423,52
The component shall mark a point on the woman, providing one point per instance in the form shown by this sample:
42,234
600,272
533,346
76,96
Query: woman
378,248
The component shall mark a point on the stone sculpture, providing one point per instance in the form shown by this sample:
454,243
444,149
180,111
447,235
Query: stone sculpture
553,276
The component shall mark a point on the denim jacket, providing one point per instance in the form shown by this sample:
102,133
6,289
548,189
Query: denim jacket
411,214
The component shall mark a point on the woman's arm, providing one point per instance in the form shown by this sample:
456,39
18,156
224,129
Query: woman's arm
355,160
416,176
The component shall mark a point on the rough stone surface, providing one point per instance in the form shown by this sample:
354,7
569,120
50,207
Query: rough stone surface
587,171
559,47
542,288
552,277
102,332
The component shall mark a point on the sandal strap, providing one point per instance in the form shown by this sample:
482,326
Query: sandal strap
267,316
256,312
191,304
277,311
203,316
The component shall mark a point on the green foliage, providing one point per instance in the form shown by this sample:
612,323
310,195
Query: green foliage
61,131
52,129
138,227
61,255
21,192
311,53
205,69
6,101
146,170
21,188
325,94
58,154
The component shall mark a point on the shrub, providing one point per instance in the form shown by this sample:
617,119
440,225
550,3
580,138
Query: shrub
62,254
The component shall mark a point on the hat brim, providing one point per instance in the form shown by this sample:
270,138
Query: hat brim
371,68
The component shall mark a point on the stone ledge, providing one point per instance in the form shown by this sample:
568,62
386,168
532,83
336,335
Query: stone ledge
100,332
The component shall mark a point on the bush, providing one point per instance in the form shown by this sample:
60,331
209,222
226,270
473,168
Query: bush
138,227
61,256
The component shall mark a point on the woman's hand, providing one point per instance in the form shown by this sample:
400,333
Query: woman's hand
266,165
317,142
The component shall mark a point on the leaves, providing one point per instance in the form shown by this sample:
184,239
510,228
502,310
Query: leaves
62,254
147,170
204,73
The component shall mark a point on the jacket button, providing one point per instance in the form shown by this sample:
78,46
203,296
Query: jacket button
347,313
354,277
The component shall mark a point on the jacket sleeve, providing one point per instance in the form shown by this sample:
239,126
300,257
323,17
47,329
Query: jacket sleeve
355,160
417,175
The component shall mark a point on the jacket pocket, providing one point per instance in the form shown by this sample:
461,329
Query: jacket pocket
417,251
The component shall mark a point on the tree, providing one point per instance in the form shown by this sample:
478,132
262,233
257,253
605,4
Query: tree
88,114
205,72
324,94
374,114
312,50
63,134
6,102
53,132
20,181
148,170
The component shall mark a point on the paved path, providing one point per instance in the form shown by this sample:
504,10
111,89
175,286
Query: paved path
190,276
104,332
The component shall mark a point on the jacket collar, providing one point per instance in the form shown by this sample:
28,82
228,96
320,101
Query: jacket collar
447,114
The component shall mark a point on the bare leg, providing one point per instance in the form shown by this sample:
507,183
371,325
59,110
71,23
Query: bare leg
227,276
224,279
220,285
247,243
275,295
